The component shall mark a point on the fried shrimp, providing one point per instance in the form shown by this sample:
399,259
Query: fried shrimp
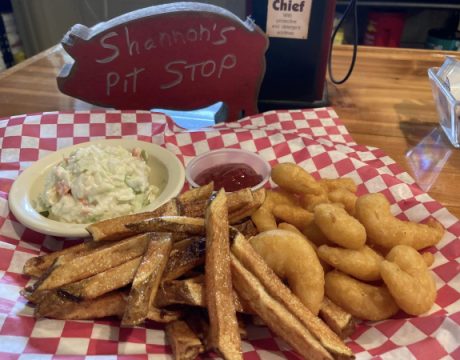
292,258
344,197
340,183
373,211
294,178
361,300
263,217
339,226
363,264
295,215
406,275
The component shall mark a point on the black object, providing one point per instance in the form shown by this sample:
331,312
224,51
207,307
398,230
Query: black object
5,49
351,7
296,68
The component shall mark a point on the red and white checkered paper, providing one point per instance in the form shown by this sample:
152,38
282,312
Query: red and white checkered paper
314,139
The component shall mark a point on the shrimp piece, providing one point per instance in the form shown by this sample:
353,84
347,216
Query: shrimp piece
406,275
373,211
295,215
339,226
361,300
344,197
429,259
294,178
263,219
292,258
363,264
340,183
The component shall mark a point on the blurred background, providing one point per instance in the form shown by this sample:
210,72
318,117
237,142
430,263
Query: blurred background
28,27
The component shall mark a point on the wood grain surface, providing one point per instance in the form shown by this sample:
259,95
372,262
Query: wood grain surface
387,102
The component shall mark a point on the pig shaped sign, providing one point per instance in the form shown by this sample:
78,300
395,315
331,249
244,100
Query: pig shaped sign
179,56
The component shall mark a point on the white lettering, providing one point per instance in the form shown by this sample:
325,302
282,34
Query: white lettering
211,71
132,75
132,45
112,79
114,48
224,65
223,38
178,80
204,69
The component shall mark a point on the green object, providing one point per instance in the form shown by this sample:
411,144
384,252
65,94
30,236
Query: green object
442,44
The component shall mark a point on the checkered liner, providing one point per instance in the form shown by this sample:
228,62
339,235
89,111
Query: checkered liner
314,139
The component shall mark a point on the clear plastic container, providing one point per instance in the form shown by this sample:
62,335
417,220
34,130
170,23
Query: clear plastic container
444,82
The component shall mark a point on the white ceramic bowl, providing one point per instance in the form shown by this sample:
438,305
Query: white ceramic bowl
167,172
227,156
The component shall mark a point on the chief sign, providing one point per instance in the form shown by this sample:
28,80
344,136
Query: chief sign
179,56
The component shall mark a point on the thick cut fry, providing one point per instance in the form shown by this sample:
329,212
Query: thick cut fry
341,322
408,279
295,215
66,272
383,229
255,264
275,315
293,178
363,264
183,224
185,255
292,258
56,306
185,344
104,282
339,227
198,321
147,279
195,209
361,300
235,201
115,229
190,292
263,219
236,215
200,193
36,266
164,316
238,199
247,228
219,292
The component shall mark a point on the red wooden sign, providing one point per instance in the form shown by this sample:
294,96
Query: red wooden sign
179,56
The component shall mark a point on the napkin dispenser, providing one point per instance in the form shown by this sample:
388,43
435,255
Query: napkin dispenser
296,60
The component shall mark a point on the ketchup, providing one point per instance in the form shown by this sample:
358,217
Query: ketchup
231,177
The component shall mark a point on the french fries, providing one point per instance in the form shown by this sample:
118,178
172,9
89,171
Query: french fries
189,266
185,344
147,279
64,272
219,293
115,229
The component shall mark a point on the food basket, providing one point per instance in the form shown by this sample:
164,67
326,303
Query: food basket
314,139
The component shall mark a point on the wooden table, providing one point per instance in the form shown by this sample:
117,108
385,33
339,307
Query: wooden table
386,103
